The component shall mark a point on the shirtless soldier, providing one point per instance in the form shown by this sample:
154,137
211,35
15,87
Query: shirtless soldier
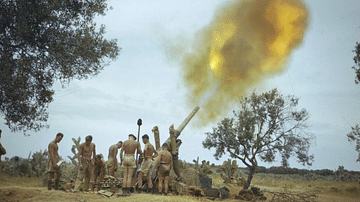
128,161
53,159
99,171
2,152
112,162
86,150
147,165
163,167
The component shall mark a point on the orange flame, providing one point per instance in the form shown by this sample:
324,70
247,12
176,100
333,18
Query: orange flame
246,42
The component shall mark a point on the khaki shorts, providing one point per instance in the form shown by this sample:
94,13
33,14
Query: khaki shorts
146,166
51,169
129,161
110,164
164,170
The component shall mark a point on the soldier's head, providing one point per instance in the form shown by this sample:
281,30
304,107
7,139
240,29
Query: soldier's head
119,144
97,158
132,137
165,147
59,137
145,138
88,139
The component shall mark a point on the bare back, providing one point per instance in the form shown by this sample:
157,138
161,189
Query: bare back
113,150
130,146
165,157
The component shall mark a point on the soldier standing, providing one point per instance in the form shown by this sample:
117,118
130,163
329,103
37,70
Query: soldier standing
112,162
2,152
86,150
53,159
163,168
128,161
99,172
147,165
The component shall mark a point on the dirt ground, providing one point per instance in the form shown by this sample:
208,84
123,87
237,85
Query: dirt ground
32,189
18,193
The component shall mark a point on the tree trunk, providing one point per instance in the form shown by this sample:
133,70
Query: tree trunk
250,176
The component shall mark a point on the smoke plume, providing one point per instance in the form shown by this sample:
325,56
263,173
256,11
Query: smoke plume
246,42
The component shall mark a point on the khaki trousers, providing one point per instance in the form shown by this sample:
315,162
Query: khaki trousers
83,175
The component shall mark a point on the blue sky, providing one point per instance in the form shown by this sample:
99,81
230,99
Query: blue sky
145,82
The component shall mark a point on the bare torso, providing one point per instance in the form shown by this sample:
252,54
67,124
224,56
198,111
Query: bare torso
53,151
149,150
86,151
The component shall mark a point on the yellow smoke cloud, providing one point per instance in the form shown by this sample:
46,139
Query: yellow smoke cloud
246,42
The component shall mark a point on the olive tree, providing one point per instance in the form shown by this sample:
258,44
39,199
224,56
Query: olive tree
357,63
354,136
45,41
265,125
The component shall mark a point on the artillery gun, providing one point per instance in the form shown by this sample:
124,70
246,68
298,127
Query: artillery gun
174,144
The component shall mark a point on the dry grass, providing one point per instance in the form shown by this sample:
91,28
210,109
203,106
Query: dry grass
35,191
21,181
291,182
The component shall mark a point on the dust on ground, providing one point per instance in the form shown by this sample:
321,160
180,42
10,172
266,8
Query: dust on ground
27,189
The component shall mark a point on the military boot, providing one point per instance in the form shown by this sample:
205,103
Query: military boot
124,191
49,184
128,191
56,187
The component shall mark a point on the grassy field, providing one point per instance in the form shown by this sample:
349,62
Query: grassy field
32,189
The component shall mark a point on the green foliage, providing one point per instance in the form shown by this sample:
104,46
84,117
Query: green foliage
228,170
182,165
265,124
31,167
357,62
196,163
44,41
205,169
75,150
354,136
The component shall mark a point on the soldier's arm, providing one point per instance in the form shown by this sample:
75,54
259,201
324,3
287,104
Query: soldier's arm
94,153
115,158
155,153
158,162
2,150
139,149
121,155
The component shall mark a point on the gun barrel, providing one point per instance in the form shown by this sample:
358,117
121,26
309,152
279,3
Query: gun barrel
186,121
183,124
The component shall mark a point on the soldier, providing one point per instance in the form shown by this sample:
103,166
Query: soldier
112,162
53,159
147,165
163,167
99,171
2,152
86,150
128,161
